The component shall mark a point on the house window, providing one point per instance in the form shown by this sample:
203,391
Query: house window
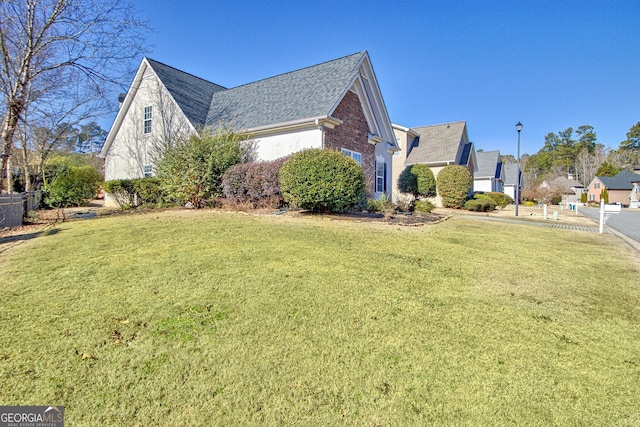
148,171
596,185
148,114
592,197
354,155
380,177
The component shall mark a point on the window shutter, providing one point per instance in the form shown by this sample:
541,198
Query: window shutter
385,177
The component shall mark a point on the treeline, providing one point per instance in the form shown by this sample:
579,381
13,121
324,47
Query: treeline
577,152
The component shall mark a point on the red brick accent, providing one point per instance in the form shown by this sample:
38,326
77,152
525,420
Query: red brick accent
353,134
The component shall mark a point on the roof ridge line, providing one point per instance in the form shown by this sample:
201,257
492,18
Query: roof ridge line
185,72
299,69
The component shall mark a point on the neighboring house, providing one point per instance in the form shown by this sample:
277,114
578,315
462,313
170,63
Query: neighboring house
335,105
619,187
489,176
511,180
567,187
437,146
404,139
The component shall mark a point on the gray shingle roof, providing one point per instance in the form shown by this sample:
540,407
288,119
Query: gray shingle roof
510,174
566,183
487,164
305,93
192,93
622,181
437,143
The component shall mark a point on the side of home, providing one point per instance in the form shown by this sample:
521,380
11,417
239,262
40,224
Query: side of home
336,105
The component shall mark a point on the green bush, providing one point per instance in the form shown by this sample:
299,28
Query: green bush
423,206
191,170
149,191
604,195
383,205
417,180
322,181
483,204
122,191
73,187
129,193
454,183
501,199
583,198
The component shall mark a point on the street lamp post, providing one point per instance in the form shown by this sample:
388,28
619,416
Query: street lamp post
518,128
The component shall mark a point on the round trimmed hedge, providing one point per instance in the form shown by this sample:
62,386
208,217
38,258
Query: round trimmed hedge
322,181
454,183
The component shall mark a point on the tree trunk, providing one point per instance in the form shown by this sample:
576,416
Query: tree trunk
9,126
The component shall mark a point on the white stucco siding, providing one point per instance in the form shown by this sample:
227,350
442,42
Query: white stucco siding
275,146
485,185
131,148
510,190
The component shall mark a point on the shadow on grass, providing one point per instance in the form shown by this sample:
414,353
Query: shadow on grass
27,236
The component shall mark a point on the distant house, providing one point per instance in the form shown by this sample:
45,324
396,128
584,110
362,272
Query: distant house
567,187
511,180
619,187
336,105
489,176
436,146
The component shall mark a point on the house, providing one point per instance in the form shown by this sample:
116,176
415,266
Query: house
489,176
511,180
619,187
404,139
436,146
567,187
335,105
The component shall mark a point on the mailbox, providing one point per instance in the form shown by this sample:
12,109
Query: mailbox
613,208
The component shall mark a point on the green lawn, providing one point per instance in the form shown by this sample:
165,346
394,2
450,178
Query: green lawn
206,318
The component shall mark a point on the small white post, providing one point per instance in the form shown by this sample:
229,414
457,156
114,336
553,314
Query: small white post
545,210
601,216
577,204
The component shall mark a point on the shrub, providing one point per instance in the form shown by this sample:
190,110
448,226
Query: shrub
122,192
423,206
604,195
73,187
583,198
191,170
417,180
383,205
501,199
149,191
129,193
257,184
322,181
454,183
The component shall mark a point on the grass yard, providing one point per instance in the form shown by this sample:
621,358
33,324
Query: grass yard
205,318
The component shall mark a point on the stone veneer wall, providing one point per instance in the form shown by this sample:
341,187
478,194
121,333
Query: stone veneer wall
353,134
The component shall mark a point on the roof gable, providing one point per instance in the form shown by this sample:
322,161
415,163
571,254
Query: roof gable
306,93
510,174
439,143
192,94
488,164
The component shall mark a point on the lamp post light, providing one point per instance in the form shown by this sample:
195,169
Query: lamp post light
518,128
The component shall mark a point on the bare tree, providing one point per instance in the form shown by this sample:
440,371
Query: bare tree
80,48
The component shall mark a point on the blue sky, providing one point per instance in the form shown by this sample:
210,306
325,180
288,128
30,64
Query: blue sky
549,64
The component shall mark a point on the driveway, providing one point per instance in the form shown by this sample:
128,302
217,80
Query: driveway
626,222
